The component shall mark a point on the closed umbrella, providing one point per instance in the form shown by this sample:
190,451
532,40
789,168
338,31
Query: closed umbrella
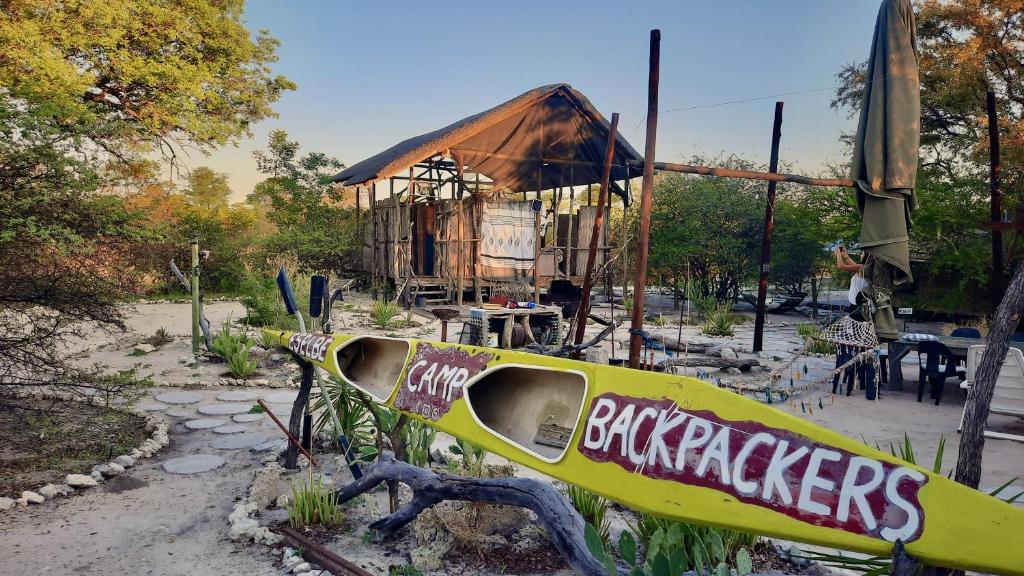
885,158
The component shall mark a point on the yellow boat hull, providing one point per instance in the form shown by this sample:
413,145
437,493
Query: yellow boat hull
678,447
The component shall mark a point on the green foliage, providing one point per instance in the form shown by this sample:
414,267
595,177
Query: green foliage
208,190
719,321
160,338
418,437
810,334
141,71
592,507
472,458
356,420
683,546
313,503
383,312
240,364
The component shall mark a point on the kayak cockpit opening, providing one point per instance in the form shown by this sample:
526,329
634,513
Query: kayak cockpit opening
373,364
535,409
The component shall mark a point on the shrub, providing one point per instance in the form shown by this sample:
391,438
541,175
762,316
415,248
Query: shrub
356,420
313,503
810,334
472,458
418,438
383,312
160,337
691,546
718,321
592,507
240,364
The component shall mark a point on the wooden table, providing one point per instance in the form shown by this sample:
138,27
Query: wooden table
956,344
508,317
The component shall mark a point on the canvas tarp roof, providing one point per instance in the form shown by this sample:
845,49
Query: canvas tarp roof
552,135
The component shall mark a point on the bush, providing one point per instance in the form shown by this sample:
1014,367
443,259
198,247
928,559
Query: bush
240,364
312,503
472,458
810,334
592,507
383,312
418,439
719,321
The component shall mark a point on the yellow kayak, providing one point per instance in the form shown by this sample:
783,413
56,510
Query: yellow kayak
677,447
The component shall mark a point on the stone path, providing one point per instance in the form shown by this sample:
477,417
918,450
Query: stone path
166,515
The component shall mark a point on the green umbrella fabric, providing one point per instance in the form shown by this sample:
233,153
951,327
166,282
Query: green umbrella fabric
885,158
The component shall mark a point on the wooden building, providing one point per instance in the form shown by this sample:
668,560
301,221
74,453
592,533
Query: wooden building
499,202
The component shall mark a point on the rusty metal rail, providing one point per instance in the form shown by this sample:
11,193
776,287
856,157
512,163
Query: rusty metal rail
325,558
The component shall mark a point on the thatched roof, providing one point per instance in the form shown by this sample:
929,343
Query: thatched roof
548,137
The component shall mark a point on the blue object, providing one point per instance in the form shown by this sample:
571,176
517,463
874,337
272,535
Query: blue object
966,332
317,289
286,291
938,365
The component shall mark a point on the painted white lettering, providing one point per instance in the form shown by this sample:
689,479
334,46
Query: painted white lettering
743,486
893,496
811,481
458,379
689,441
428,379
667,420
620,428
444,376
718,449
408,381
635,456
857,493
773,480
597,422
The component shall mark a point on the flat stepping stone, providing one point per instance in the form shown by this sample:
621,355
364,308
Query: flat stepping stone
236,441
247,417
193,464
151,406
179,397
230,429
181,412
204,423
274,444
224,409
237,396
281,397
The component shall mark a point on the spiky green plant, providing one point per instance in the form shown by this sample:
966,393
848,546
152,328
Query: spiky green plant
592,507
241,364
472,458
719,321
313,503
383,312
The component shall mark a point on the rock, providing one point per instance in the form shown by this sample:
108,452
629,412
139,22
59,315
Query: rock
267,485
732,370
193,464
6,503
32,497
301,568
293,560
435,456
596,355
433,541
728,353
80,481
115,469
277,358
51,491
125,461
283,501
243,529
97,476
22,502
144,348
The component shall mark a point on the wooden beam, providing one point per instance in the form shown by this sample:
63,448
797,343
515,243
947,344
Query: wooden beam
588,279
748,174
646,199
766,238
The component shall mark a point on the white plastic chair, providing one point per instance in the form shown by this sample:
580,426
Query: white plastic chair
1008,396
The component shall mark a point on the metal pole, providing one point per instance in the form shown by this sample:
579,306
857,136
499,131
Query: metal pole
588,278
769,228
195,297
995,167
646,196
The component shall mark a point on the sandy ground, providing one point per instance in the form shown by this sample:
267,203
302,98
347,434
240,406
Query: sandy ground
152,522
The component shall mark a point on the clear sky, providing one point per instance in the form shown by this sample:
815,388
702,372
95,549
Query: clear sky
370,74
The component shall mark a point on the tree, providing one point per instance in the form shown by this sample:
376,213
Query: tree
59,250
797,253
967,47
305,207
140,71
208,190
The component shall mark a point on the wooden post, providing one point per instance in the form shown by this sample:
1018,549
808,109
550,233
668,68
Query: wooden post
995,167
769,228
536,250
646,197
460,247
373,234
972,437
195,297
478,215
588,274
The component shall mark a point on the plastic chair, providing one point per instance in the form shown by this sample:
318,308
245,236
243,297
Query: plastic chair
938,365
966,332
